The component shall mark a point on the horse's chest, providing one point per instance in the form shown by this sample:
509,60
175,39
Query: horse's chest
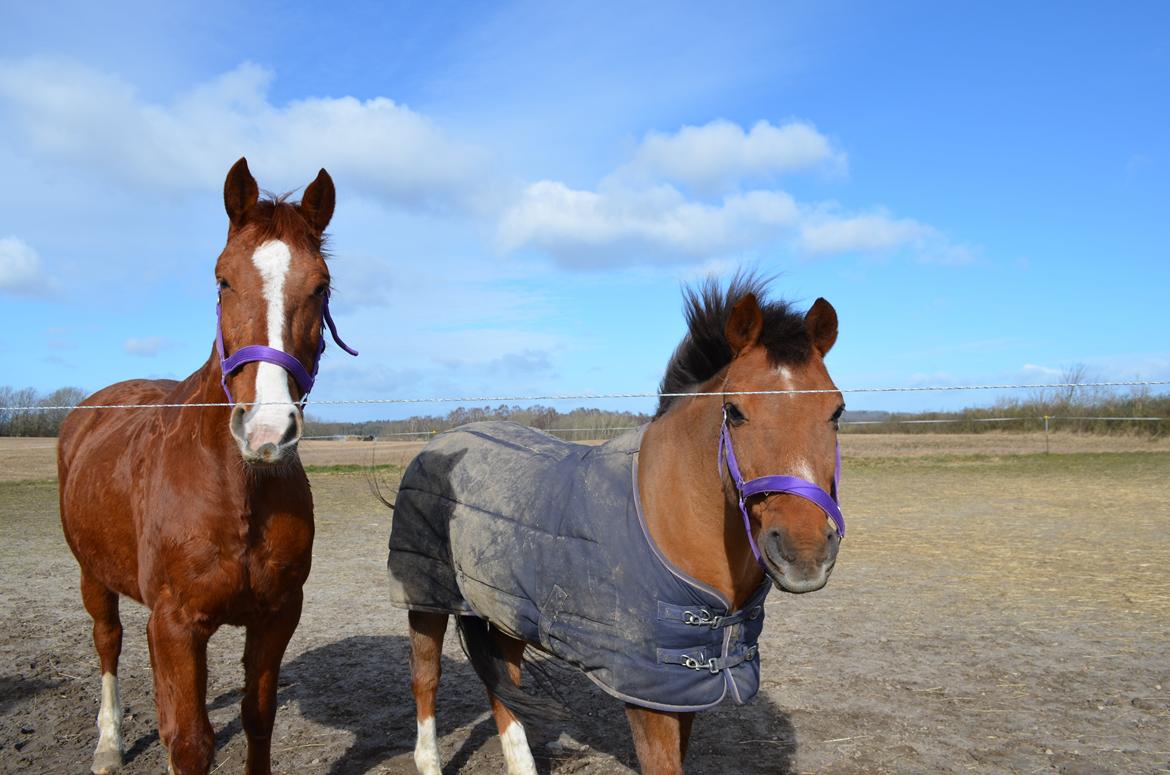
236,579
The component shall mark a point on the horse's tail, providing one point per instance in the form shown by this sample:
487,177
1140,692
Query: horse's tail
492,669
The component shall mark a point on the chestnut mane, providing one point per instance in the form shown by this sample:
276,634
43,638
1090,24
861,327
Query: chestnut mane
704,350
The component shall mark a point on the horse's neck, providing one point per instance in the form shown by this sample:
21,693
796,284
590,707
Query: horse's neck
204,387
684,502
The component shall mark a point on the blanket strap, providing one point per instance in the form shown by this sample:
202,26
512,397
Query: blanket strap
697,659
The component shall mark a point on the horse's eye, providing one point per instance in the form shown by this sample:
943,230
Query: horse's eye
321,289
836,418
734,416
224,284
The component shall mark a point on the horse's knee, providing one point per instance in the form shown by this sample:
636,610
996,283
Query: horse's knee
107,639
192,751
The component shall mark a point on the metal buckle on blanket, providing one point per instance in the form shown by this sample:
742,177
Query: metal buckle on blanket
694,664
701,618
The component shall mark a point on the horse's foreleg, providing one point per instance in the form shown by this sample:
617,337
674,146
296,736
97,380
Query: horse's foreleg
660,738
264,647
102,605
426,666
178,655
515,743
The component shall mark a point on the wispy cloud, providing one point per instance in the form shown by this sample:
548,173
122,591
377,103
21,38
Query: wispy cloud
71,113
146,346
21,273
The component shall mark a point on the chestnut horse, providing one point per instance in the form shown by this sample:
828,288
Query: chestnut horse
731,492
203,513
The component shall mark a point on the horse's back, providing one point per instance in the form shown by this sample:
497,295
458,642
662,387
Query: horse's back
481,506
99,454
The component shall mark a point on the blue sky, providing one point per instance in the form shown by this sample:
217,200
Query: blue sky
981,190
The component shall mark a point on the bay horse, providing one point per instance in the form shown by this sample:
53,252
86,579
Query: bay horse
203,513
643,561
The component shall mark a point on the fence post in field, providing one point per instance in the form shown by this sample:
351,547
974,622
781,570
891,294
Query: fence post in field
1046,434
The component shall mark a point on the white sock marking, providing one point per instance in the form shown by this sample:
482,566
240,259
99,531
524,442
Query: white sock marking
426,749
109,720
516,751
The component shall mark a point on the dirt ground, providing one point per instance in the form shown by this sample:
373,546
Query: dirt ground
993,610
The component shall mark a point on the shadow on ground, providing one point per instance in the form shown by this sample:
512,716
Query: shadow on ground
361,685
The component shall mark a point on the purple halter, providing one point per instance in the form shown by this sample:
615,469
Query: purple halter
793,485
259,352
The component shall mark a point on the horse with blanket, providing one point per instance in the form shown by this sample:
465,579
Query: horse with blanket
644,561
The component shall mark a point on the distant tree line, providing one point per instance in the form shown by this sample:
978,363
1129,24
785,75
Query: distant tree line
577,425
35,422
1076,409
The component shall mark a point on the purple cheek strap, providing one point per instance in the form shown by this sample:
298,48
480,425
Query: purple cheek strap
792,485
258,352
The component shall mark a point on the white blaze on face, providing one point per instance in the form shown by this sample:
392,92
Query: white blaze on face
797,466
269,420
426,749
516,751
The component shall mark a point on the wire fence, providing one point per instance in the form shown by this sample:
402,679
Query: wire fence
612,396
891,421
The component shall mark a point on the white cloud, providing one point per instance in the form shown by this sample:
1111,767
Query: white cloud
21,273
826,231
637,215
873,232
582,228
74,114
146,346
721,154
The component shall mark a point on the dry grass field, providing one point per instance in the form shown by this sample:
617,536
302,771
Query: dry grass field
993,610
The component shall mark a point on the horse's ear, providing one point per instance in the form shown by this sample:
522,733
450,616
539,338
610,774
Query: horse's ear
821,324
317,203
744,324
240,192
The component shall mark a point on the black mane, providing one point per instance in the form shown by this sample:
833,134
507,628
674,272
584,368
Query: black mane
704,351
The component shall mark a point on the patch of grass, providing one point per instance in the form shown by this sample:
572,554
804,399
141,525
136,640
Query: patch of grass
1087,463
355,469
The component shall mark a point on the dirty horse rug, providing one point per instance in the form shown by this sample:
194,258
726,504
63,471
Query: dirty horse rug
545,539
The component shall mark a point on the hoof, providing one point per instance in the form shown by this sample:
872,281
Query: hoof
105,762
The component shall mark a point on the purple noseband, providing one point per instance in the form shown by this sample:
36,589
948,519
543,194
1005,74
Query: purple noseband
259,352
792,485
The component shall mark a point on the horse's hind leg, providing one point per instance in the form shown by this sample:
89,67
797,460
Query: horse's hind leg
660,739
102,605
515,743
426,665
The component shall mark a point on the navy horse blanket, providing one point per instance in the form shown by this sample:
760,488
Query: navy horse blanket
545,539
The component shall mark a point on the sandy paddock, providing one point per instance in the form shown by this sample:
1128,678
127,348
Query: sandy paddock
993,610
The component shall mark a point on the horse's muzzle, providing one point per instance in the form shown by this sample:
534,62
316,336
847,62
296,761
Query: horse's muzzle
266,434
797,565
